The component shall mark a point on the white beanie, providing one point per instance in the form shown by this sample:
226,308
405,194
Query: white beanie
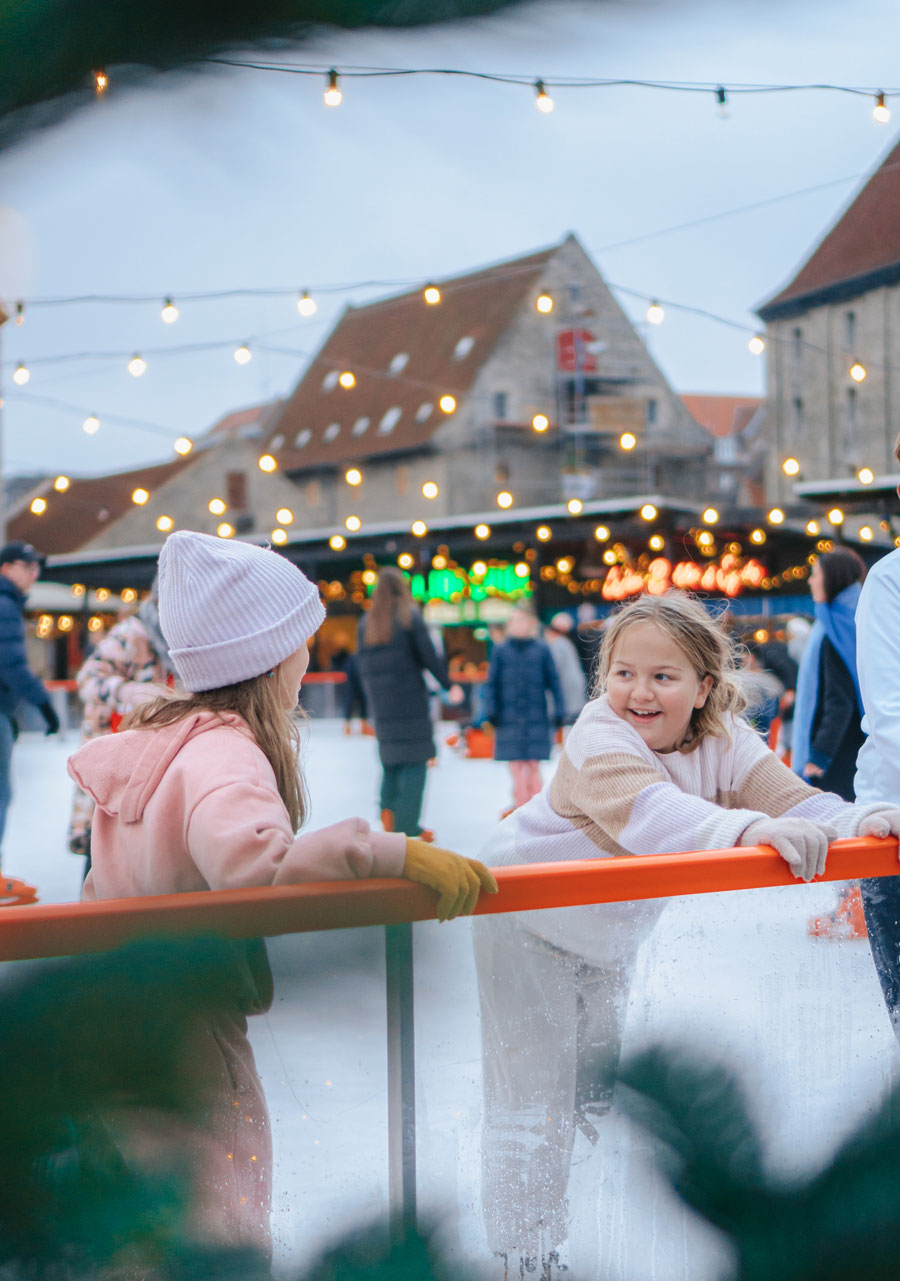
231,611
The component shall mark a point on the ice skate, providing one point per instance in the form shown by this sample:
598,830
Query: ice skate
845,921
16,893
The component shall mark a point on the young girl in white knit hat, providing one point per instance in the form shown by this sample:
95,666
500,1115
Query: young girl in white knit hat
658,762
202,790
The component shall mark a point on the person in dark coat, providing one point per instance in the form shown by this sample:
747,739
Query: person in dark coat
394,652
521,675
20,566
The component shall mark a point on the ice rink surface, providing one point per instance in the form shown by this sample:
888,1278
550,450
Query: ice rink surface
802,1018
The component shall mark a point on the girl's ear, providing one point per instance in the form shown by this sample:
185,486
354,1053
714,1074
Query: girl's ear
703,692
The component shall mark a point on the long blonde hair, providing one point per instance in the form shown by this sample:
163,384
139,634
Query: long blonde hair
257,701
392,605
705,645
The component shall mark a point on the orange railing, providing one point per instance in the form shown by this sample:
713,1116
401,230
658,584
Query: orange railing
66,928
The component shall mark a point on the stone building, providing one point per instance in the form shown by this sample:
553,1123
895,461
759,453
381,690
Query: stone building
833,351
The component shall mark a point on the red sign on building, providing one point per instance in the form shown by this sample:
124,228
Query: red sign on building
572,353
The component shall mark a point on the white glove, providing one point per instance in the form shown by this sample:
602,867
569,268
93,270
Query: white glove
802,844
884,822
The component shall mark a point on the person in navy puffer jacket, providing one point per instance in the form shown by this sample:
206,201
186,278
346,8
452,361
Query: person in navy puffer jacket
522,674
20,566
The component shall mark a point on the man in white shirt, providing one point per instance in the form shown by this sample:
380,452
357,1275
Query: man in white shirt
878,763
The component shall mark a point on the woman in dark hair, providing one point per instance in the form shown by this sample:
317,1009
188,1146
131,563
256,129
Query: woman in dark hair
828,710
394,652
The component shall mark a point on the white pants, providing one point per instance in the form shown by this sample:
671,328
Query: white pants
551,1029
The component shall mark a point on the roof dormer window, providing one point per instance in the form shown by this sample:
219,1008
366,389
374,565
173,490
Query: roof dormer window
360,426
390,420
423,413
398,364
330,381
463,347
331,431
302,438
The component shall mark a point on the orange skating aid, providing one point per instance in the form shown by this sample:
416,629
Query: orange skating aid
15,893
846,921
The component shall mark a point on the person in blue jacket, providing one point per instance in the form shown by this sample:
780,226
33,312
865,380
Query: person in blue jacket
522,674
20,566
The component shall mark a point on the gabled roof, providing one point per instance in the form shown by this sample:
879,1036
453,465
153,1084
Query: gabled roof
405,355
860,252
722,415
87,507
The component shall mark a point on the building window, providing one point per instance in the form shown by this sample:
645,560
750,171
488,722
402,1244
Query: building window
303,437
360,426
390,420
236,490
852,404
463,347
330,380
401,479
312,493
398,364
501,474
650,412
501,405
798,414
331,431
798,344
423,413
276,442
850,330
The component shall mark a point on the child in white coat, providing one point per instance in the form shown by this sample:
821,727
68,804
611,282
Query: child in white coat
658,762
202,790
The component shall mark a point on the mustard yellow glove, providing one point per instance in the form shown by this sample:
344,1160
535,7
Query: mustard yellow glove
458,880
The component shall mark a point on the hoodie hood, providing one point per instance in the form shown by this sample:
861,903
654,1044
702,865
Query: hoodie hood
121,772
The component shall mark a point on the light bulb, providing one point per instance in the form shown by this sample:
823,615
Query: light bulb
790,467
627,440
812,527
857,372
21,375
479,569
243,355
279,536
405,561
61,484
38,506
544,303
836,516
657,543
347,379
91,424
217,506
710,516
757,344
544,101
504,498
574,506
332,96
758,536
140,496
305,305
447,403
164,524
609,557
101,83
540,422
865,475
137,366
776,516
880,112
284,516
169,312
419,528
225,530
655,313
482,531
183,445
430,489
353,476
543,533
601,533
353,523
267,463
866,533
432,295
337,542
648,512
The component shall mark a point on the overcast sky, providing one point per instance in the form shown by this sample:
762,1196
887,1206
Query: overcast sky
235,179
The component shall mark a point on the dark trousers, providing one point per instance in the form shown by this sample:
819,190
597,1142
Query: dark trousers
881,903
402,789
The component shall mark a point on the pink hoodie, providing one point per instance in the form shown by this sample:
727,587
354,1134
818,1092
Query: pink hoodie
194,806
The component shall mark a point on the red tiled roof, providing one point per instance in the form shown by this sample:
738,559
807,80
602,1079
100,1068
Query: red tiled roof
479,306
88,506
241,418
865,238
722,415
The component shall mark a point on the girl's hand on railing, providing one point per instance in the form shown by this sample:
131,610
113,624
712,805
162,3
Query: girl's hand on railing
884,822
803,845
458,880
